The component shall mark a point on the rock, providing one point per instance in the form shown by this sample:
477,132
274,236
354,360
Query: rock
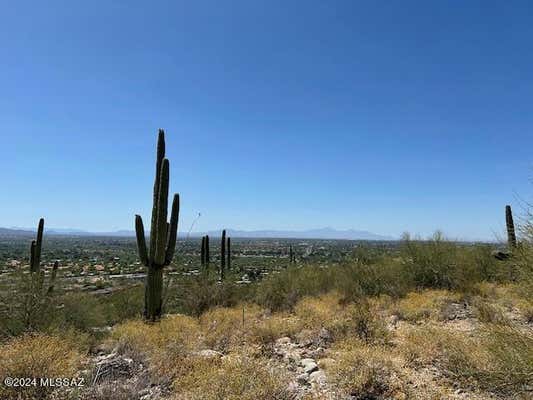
501,254
283,341
112,366
326,362
208,353
318,377
325,335
302,378
309,365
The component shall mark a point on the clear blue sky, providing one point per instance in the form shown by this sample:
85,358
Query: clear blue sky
380,115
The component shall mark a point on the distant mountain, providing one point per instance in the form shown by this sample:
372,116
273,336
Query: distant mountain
322,233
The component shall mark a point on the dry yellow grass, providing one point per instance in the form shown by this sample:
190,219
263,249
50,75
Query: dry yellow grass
36,356
235,377
364,371
417,306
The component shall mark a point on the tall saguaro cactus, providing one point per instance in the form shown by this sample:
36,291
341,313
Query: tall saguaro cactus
223,255
163,235
36,247
511,237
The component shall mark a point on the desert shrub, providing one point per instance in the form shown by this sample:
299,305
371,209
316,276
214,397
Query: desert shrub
193,295
341,320
281,291
489,313
499,358
267,329
124,304
417,306
223,328
441,264
165,343
25,306
238,377
364,372
83,311
356,281
35,356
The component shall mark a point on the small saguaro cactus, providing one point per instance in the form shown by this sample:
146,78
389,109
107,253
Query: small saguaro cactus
36,247
511,237
163,235
223,255
53,277
202,252
207,251
290,254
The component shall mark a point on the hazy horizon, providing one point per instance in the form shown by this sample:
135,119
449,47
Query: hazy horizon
376,117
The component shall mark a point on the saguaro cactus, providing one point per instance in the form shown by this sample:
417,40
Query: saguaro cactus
36,247
53,277
290,254
207,251
202,252
229,253
223,255
511,237
163,235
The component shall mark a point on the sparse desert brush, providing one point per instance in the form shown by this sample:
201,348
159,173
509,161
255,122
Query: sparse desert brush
364,371
223,328
317,312
269,328
164,343
489,313
36,356
422,305
341,320
498,358
235,377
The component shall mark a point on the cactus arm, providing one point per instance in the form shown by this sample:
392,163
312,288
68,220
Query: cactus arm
173,229
207,250
39,246
162,210
141,240
202,252
157,184
32,255
229,253
223,255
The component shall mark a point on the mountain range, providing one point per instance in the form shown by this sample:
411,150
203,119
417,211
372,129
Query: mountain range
321,233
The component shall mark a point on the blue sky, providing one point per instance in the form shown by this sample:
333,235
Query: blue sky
382,116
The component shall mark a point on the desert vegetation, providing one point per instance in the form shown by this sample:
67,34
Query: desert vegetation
417,319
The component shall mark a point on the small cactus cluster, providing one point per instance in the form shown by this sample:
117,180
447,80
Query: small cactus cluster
35,261
163,235
225,255
204,253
